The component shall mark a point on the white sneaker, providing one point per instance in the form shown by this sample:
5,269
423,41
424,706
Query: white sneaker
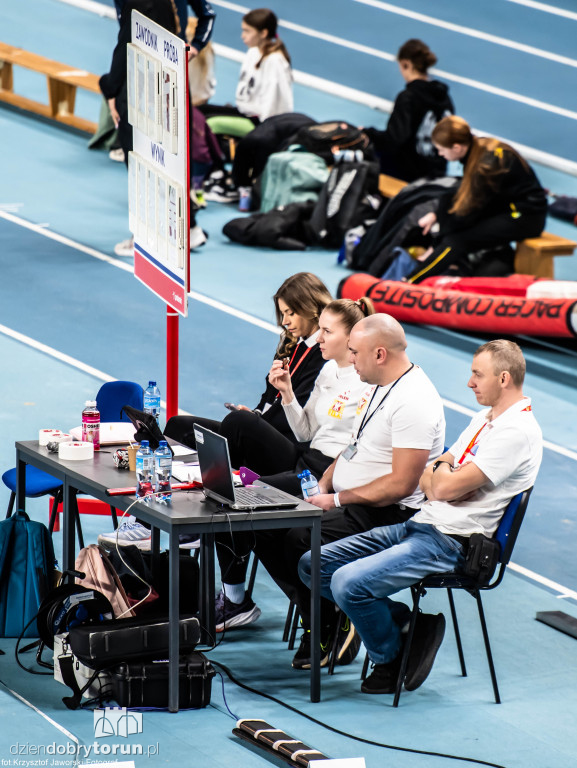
128,532
198,237
125,248
117,155
221,194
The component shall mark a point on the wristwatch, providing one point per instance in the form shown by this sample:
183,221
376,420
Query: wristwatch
437,464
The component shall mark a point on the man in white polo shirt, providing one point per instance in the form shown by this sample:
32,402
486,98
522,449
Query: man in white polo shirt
399,428
468,487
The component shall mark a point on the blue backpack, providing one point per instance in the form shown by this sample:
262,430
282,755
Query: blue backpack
26,573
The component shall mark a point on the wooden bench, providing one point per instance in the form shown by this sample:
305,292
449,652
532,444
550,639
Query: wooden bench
62,82
534,256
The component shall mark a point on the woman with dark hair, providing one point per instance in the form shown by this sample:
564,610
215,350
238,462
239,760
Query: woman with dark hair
298,304
265,86
265,89
404,147
499,201
321,430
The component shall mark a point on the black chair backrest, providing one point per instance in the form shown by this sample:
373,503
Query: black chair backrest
508,530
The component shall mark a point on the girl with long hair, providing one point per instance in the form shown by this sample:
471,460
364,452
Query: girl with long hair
405,148
499,201
298,305
321,430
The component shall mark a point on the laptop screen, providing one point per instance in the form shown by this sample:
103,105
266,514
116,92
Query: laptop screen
214,462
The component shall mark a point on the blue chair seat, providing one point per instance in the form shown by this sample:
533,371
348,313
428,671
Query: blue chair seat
38,483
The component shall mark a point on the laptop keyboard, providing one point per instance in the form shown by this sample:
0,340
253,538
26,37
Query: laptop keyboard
247,496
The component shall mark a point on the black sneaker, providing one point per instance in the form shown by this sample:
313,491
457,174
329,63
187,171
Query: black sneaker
427,639
229,615
302,658
383,678
348,643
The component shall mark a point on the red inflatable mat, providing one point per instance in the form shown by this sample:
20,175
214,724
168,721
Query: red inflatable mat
514,285
501,314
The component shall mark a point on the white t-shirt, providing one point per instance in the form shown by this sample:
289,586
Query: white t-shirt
411,416
508,450
328,415
265,91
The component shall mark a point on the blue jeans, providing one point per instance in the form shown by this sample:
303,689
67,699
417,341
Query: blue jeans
359,574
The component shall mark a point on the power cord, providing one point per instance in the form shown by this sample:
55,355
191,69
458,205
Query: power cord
360,739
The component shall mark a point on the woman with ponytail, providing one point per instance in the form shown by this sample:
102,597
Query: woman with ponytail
265,86
321,430
404,147
499,201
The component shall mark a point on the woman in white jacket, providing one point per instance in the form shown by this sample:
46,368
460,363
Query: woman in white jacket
323,428
265,86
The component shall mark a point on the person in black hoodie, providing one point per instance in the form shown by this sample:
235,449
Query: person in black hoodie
498,201
405,148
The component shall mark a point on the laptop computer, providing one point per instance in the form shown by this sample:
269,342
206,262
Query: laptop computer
216,473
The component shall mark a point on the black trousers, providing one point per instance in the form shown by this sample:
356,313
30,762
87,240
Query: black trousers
453,248
250,159
254,443
280,550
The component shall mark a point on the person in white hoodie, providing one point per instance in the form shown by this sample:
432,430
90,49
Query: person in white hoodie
265,89
265,86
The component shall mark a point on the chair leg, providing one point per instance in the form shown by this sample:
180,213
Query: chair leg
11,504
54,511
488,648
295,626
252,577
407,649
78,524
457,633
114,517
365,668
288,621
334,642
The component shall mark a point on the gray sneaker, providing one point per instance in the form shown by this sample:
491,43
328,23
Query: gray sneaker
229,615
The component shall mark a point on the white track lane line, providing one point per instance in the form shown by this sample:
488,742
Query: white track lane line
470,32
553,9
367,99
543,580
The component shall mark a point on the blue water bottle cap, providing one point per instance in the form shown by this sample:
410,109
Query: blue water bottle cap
151,383
304,474
144,443
162,444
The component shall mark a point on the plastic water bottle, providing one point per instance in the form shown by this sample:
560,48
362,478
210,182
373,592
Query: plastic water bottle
144,471
91,424
163,471
152,400
309,484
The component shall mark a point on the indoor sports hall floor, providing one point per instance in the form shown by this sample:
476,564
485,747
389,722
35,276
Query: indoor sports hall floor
72,315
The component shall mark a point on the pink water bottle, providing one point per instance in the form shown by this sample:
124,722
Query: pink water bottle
91,424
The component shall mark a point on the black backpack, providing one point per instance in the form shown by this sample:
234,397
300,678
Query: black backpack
350,197
324,137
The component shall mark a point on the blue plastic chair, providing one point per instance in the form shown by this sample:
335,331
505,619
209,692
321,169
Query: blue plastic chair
111,397
506,535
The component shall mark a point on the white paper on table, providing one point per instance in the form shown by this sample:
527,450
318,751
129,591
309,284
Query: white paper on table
182,450
186,473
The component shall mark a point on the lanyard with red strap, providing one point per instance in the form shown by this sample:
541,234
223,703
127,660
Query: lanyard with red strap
469,449
299,361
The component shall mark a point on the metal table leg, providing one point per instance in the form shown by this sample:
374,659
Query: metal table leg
173,619
315,611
